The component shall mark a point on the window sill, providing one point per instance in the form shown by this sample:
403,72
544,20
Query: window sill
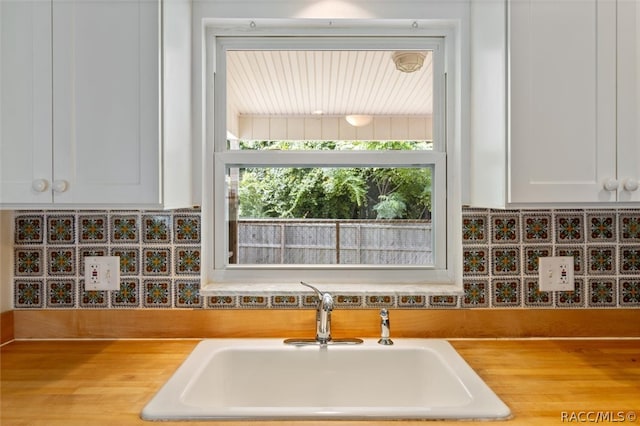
236,289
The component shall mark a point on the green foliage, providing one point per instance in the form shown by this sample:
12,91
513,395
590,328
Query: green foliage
334,193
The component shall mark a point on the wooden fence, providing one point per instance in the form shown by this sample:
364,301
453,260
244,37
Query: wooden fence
375,242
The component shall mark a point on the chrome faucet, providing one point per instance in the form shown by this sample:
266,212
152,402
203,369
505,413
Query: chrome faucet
323,323
323,315
385,330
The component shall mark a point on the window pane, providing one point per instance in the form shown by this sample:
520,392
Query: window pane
330,215
327,95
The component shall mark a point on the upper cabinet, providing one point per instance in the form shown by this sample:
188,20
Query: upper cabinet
88,94
570,103
26,169
628,105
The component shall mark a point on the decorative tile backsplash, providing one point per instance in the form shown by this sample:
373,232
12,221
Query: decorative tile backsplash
160,261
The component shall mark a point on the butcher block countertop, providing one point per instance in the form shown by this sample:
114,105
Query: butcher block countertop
107,382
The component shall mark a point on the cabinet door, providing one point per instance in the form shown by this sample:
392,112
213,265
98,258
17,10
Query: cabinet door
25,102
563,100
106,101
629,100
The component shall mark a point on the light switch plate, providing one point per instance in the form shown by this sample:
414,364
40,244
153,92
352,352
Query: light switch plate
102,273
556,273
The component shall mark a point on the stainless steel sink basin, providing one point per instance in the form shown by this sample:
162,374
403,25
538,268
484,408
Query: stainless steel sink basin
266,379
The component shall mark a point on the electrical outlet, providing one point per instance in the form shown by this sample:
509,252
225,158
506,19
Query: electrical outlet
102,273
556,273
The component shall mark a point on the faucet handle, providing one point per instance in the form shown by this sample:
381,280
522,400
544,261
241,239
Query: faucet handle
318,292
325,299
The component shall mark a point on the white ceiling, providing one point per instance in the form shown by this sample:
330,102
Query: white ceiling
299,83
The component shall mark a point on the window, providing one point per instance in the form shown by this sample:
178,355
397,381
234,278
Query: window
295,193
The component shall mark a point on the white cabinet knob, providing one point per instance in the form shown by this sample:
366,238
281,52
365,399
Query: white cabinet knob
39,185
630,184
610,184
60,185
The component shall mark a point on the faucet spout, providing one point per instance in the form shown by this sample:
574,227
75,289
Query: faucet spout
323,324
323,314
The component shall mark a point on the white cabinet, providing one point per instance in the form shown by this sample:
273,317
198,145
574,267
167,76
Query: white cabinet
563,100
570,99
26,171
98,134
628,137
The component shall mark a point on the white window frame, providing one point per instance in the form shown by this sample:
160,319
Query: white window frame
218,277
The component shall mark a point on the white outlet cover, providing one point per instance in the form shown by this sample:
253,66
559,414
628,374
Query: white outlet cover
556,273
107,276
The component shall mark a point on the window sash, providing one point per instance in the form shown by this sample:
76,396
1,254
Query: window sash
225,272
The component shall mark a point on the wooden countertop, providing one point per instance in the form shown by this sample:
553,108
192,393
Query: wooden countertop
107,382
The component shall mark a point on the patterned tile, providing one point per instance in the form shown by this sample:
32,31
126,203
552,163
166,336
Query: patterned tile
475,294
28,262
129,259
221,302
92,229
309,300
602,292
630,227
443,301
347,300
187,260
505,260
61,293
505,292
28,294
285,301
475,260
129,294
571,299
630,259
186,228
252,301
536,228
534,297
156,229
630,292
474,229
188,294
601,260
531,256
92,298
569,228
156,261
61,230
124,229
578,257
157,293
380,301
29,229
61,261
411,301
505,229
500,248
601,227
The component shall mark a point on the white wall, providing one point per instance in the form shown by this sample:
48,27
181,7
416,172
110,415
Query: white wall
6,260
333,128
435,11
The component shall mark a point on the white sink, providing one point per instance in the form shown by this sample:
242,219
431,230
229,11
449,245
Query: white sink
266,379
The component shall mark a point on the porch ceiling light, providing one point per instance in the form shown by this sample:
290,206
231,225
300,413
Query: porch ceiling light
358,120
408,61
